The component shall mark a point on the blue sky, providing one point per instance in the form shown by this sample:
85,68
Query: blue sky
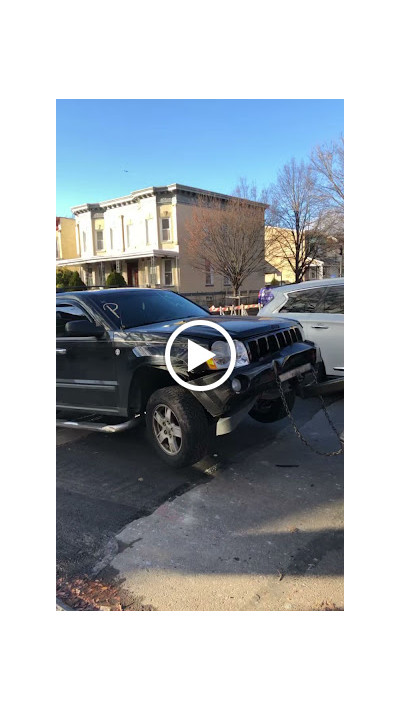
203,143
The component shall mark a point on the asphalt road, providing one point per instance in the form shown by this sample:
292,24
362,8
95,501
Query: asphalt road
105,482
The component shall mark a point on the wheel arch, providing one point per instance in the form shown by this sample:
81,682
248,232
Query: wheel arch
146,380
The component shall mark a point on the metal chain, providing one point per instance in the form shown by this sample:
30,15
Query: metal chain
296,429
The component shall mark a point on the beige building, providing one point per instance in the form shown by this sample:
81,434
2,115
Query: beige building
65,239
144,236
278,253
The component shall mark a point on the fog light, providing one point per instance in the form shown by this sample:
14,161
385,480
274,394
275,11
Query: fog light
236,385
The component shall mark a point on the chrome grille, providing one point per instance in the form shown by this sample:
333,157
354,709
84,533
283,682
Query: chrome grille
266,345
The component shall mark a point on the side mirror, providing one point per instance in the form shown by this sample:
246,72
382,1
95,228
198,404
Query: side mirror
83,328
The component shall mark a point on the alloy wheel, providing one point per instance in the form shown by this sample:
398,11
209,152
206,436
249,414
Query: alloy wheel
167,430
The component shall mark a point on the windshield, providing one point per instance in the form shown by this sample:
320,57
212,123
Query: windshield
138,308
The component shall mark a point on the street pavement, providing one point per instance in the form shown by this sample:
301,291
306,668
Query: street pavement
258,525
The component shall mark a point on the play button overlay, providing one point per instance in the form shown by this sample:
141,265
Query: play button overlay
198,354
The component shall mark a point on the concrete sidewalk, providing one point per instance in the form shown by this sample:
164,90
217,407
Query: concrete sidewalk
264,534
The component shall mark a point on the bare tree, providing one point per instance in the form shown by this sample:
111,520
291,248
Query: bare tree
228,237
328,163
328,167
296,232
248,191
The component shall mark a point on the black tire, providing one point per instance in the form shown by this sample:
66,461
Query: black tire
272,410
187,416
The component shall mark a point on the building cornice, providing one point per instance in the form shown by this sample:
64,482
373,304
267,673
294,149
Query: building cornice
116,202
184,192
86,207
186,189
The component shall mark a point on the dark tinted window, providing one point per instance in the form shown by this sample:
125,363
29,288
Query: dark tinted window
333,302
66,313
130,309
303,301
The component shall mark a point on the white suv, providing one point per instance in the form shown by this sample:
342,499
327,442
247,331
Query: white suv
319,306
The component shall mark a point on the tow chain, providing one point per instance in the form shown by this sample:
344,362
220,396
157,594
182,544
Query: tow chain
296,429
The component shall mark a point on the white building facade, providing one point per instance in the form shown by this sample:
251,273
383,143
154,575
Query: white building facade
144,236
134,235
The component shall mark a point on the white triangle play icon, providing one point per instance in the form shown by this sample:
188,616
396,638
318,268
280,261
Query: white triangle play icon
197,354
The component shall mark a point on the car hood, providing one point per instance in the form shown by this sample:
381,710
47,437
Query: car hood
237,327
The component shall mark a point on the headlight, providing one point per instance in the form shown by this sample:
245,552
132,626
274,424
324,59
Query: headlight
242,357
222,355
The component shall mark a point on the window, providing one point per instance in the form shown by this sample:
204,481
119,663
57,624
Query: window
66,313
57,249
333,302
99,240
166,229
84,241
148,236
312,273
303,301
168,281
129,236
227,281
89,277
111,239
209,274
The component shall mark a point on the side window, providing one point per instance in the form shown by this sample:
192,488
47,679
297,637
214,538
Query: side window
99,240
333,302
303,301
148,233
129,236
66,313
166,229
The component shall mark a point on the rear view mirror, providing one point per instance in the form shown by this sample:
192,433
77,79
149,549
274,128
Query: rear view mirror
83,327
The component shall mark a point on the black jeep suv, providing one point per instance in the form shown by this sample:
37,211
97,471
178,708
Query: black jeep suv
111,369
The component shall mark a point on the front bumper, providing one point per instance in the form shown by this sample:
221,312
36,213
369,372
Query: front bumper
256,378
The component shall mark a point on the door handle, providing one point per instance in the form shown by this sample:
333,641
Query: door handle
61,351
319,326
